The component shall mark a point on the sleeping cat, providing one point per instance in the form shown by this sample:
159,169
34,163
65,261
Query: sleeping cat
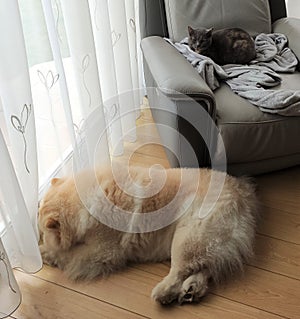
225,46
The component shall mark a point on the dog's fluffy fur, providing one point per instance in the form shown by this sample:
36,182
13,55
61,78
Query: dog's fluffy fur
201,249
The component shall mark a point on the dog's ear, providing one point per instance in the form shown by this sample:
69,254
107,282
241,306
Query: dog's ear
52,224
62,229
56,181
62,232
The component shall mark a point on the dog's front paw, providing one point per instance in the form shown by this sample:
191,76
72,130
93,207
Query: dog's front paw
48,257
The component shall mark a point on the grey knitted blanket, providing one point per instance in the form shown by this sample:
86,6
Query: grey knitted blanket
254,81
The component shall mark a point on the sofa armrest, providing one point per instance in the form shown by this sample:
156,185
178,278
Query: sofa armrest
291,28
172,73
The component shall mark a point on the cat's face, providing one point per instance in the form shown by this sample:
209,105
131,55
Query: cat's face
200,39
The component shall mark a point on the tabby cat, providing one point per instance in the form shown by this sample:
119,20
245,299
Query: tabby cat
224,46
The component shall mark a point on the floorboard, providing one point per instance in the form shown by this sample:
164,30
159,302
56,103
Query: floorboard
277,256
44,299
281,190
131,288
265,290
280,224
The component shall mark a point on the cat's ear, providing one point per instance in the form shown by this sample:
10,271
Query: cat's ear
209,32
191,30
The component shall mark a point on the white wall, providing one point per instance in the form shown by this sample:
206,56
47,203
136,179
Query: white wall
293,8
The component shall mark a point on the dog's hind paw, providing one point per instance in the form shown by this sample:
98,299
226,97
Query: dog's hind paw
164,293
172,289
193,289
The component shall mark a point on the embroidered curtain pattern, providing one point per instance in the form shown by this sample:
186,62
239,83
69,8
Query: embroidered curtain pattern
68,71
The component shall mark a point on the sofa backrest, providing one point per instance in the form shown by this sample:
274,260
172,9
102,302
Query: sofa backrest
253,16
154,22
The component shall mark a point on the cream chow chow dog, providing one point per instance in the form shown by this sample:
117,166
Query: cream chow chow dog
93,224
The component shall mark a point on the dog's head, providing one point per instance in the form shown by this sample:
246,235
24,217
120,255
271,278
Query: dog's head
58,215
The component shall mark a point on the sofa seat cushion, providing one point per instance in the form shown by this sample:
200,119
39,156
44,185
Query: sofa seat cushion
253,16
251,135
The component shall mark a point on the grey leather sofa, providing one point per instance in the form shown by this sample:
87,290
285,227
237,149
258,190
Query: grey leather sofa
255,142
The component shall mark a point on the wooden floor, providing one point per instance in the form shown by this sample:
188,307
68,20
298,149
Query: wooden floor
269,289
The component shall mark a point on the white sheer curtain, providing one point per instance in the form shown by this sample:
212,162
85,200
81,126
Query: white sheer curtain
69,85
